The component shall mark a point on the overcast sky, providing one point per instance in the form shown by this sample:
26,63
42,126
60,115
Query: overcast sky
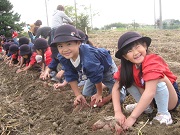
110,11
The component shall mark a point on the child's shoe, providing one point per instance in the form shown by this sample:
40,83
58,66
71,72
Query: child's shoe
163,118
81,83
129,108
52,73
55,79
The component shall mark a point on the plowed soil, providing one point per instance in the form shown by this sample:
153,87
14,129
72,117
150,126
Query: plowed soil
30,106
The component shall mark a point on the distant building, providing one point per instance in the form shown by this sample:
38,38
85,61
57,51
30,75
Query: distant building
113,28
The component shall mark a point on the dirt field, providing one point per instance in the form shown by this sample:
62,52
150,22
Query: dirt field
29,107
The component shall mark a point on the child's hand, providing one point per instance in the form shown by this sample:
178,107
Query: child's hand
46,75
80,103
17,66
119,130
129,122
10,65
80,99
41,75
120,118
7,62
57,85
96,97
19,70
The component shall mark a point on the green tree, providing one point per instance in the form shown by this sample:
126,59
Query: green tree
69,10
8,19
83,22
171,24
117,25
82,17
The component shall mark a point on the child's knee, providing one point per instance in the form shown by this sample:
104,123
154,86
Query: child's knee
161,86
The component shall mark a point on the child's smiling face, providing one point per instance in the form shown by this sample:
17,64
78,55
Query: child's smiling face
69,50
137,53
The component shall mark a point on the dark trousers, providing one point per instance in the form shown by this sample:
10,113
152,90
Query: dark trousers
30,36
52,34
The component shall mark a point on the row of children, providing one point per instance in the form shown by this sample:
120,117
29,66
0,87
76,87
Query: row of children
26,55
145,75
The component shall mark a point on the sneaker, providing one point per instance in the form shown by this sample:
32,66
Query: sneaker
55,79
53,73
164,118
81,83
129,108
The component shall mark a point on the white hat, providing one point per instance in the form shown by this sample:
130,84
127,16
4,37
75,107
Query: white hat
38,58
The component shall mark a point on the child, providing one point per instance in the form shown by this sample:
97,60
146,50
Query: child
31,27
41,47
58,73
14,36
15,57
52,67
43,32
93,65
1,48
6,55
25,40
1,43
28,58
146,76
54,63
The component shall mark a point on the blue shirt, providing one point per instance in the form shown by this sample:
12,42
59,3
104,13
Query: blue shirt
54,63
94,62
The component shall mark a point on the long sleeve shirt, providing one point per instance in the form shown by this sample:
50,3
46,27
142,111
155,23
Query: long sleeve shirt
94,62
58,17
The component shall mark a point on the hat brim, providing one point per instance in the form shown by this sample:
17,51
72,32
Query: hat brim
24,53
119,52
62,39
12,52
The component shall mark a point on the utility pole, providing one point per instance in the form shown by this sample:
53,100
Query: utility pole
160,18
91,17
75,11
46,13
134,24
155,15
